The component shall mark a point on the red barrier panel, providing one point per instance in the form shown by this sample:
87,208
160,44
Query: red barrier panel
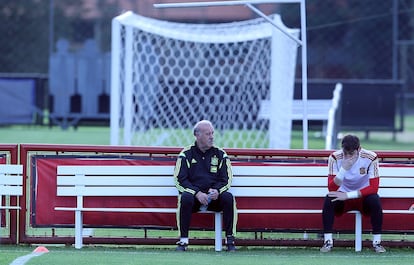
42,161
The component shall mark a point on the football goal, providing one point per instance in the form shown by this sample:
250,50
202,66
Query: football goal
166,76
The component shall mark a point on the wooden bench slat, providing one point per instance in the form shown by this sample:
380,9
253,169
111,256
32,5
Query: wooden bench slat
116,191
279,192
11,190
396,171
386,182
396,192
11,180
398,211
277,181
11,169
115,181
115,170
273,181
126,210
280,170
279,211
6,207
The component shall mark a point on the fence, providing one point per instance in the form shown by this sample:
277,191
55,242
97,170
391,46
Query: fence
346,39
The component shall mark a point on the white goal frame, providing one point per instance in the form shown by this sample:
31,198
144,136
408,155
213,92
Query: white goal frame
302,42
127,88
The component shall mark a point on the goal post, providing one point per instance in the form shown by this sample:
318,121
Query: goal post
166,76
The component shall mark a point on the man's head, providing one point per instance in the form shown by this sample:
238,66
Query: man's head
350,145
204,134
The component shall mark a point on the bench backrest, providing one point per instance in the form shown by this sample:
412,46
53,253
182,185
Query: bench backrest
317,109
396,182
115,181
248,181
11,180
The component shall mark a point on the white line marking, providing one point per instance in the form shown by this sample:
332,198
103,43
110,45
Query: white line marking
23,259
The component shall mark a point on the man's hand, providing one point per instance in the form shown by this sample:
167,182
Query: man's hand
347,163
213,194
202,197
338,195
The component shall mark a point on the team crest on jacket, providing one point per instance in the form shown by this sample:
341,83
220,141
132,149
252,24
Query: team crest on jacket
362,171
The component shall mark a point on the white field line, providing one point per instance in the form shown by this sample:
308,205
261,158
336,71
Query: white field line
23,259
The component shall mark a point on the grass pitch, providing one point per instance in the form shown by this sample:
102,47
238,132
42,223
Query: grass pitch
244,256
100,135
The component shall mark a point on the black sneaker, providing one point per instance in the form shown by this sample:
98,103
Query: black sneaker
181,246
230,244
327,246
378,248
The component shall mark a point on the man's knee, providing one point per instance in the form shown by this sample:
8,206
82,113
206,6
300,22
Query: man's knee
227,198
328,203
187,198
373,200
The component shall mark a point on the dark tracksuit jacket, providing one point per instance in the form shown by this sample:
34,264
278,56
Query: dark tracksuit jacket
197,171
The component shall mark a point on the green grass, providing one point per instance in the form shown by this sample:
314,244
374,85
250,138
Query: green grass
36,134
103,255
99,135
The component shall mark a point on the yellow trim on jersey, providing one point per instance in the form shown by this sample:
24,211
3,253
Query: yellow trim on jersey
176,172
177,168
229,171
235,216
177,215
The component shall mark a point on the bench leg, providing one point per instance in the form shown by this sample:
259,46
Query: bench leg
358,231
78,229
217,228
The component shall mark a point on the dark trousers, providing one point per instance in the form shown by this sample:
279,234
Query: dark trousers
188,204
369,205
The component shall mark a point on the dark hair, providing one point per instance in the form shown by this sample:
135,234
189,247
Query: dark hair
350,143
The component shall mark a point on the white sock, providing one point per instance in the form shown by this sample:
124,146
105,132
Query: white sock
184,240
328,237
376,239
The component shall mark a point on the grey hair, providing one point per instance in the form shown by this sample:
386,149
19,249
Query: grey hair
197,126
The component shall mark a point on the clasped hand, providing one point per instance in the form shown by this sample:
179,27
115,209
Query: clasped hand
338,195
203,198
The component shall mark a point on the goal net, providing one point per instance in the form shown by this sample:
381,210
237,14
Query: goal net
166,76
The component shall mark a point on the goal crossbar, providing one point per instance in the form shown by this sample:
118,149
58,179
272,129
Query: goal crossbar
248,4
224,3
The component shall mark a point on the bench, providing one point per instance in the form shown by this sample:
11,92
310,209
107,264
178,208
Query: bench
268,181
11,184
326,110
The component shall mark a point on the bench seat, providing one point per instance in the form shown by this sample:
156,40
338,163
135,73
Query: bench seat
286,180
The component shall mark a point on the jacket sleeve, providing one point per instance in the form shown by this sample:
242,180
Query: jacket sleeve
332,171
374,179
331,184
181,173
